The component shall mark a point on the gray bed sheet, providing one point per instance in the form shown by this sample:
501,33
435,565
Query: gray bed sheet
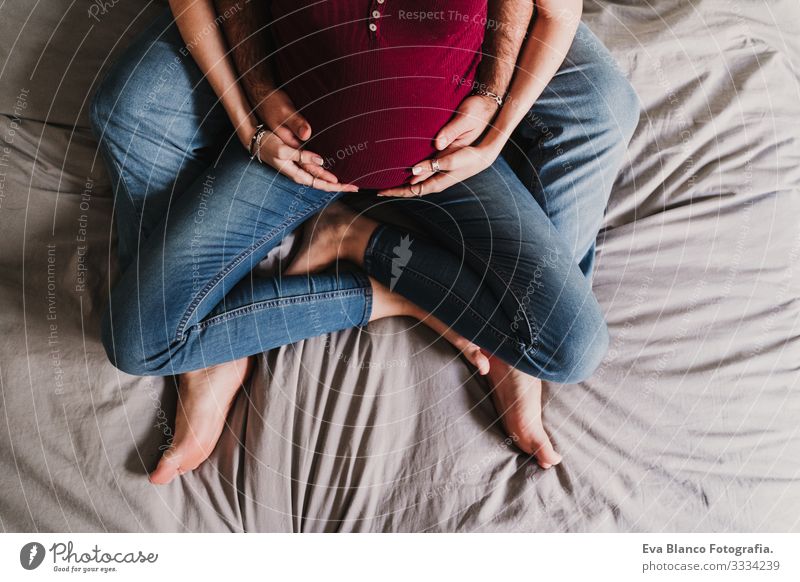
690,424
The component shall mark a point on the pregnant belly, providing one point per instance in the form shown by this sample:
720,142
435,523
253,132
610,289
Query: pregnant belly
375,148
372,133
375,96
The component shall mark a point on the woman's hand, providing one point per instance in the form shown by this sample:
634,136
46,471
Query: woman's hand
453,167
281,146
458,159
302,166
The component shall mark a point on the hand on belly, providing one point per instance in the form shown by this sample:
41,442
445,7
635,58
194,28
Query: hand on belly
375,150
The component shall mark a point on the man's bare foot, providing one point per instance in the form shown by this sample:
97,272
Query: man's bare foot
204,400
518,399
339,233
335,233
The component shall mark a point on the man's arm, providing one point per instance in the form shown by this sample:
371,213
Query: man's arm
551,37
507,24
195,21
245,24
246,27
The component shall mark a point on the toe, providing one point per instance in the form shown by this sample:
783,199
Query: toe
547,456
536,442
470,351
184,458
168,468
478,359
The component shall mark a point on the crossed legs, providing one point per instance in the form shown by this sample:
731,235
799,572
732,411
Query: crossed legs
155,152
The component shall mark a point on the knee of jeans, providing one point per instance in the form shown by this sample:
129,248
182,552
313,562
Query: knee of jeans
100,108
125,344
580,352
617,104
115,98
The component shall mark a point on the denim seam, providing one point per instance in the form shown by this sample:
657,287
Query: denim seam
262,305
371,247
368,299
468,308
241,257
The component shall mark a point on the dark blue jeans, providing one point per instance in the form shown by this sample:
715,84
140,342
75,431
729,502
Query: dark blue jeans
195,216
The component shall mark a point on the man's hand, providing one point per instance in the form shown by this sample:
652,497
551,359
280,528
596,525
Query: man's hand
469,122
454,166
278,113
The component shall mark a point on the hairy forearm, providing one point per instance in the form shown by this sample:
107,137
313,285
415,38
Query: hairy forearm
553,31
508,22
205,42
245,24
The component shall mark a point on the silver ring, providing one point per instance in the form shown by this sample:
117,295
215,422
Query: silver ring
313,179
411,188
435,166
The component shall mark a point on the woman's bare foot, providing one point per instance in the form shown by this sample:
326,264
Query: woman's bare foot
335,233
385,303
204,400
469,350
518,399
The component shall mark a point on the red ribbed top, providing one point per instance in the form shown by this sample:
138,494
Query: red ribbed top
377,79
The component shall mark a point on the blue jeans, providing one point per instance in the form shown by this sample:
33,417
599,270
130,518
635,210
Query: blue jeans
194,216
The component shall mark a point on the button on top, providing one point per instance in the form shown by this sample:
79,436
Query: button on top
376,14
